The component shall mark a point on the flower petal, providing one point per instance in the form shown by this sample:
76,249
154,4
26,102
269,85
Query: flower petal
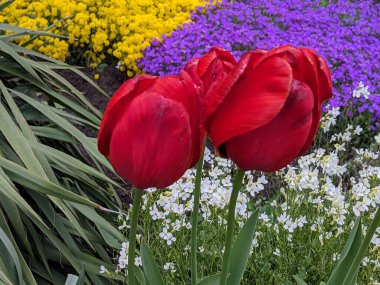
116,106
217,92
215,54
276,144
255,97
151,143
183,90
311,68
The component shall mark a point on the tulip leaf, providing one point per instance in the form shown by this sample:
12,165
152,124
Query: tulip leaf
210,280
140,275
299,280
348,254
240,250
150,267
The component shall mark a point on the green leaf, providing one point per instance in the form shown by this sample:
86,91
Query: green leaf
365,243
34,182
52,133
13,254
82,276
110,234
17,140
19,59
7,188
299,280
347,256
72,162
210,280
240,250
89,145
150,267
5,4
4,278
140,275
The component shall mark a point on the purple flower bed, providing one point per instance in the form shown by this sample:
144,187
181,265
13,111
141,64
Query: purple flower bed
346,33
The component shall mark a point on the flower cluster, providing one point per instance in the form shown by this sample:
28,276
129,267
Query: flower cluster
344,32
119,28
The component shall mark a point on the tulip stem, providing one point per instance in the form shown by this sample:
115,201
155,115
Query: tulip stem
238,179
137,198
194,220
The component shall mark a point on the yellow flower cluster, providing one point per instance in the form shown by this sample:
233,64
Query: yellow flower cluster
97,28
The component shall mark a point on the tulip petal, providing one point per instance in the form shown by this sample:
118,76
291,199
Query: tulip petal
196,111
311,68
116,106
273,146
191,68
217,92
151,143
216,53
183,90
324,79
254,99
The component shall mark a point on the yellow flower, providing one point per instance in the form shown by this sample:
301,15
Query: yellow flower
122,28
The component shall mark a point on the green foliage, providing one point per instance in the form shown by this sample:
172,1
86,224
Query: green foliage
54,217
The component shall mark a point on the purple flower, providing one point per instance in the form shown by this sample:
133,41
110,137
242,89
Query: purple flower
346,33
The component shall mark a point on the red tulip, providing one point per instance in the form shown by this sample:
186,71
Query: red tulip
211,67
266,112
208,70
151,130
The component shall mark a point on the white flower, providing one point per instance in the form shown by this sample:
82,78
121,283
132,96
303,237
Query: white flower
329,119
277,252
358,130
377,138
119,64
361,90
169,266
138,261
168,236
103,269
264,217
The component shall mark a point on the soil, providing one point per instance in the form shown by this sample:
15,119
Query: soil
109,80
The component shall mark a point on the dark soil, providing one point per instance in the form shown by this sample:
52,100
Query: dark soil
110,80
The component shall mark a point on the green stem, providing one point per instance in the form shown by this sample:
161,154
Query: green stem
137,198
194,221
238,179
363,247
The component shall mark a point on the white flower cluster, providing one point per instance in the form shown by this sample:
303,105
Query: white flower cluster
330,119
123,257
361,91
